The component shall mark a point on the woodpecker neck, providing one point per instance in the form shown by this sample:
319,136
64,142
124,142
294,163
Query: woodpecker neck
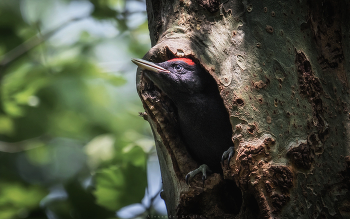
198,103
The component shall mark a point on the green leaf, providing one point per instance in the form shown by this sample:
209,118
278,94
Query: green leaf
119,186
102,10
100,149
133,154
16,198
6,125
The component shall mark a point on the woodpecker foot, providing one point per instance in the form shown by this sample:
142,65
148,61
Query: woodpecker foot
227,155
202,168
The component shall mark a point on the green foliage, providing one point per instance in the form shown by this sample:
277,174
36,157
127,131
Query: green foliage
66,119
17,200
120,185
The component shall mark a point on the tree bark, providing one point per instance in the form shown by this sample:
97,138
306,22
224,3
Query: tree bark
282,69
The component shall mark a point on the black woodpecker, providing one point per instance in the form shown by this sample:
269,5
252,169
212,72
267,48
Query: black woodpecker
202,117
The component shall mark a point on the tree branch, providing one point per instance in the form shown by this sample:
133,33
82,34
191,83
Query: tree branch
15,147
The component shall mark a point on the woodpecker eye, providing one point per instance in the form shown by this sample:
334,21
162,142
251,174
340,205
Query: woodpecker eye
178,67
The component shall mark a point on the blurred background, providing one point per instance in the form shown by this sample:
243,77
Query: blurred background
71,142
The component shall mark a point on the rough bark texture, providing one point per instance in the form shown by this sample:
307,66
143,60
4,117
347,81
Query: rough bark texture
282,68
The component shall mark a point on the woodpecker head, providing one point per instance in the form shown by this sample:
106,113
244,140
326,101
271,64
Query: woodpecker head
176,77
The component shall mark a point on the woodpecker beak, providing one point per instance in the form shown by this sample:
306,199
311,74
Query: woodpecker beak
149,65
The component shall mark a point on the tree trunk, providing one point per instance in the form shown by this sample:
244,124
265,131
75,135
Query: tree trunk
282,73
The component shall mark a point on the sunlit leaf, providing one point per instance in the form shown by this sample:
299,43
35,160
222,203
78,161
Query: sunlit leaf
120,186
100,149
20,85
117,4
133,154
102,10
6,125
40,155
12,109
30,9
16,197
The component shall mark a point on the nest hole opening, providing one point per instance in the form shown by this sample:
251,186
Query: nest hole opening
252,206
231,199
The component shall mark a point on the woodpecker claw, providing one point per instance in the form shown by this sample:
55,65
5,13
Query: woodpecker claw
203,180
227,155
202,168
187,179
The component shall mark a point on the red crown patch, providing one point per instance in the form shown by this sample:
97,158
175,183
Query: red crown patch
187,60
